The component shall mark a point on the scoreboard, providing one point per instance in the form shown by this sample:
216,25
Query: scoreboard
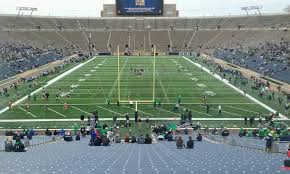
139,7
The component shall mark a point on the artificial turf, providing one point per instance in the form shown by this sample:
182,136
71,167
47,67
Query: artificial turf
97,81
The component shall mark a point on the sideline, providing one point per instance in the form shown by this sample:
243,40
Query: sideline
49,83
283,117
123,119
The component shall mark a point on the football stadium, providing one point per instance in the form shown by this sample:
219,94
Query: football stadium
145,86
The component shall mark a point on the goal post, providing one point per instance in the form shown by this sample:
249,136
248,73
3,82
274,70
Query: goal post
121,100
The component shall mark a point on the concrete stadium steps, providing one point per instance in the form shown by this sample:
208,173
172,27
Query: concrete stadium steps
139,37
75,37
67,23
36,140
163,157
29,22
91,23
99,39
178,39
202,37
119,38
160,39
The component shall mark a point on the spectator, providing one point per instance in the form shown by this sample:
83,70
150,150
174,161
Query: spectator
98,141
19,146
225,132
105,126
83,131
185,131
133,139
8,145
148,139
78,137
269,141
55,133
190,143
179,143
48,132
93,135
106,141
199,137
141,140
288,153
117,139
170,136
126,138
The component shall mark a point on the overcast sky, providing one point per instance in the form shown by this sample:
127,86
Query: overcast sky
92,8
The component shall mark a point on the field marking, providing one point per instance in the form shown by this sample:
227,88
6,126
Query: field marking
50,82
29,113
116,81
162,88
161,85
139,111
80,110
109,110
222,111
102,88
198,112
241,109
235,88
56,112
164,110
110,119
87,104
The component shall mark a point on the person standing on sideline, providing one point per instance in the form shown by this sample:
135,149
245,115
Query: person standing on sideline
82,119
207,109
220,110
246,120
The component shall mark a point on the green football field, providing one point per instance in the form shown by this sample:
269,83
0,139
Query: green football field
88,89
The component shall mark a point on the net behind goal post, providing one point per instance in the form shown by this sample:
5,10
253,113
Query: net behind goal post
133,101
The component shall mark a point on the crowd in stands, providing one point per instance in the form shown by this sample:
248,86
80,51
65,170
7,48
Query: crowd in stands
271,59
18,145
262,89
20,57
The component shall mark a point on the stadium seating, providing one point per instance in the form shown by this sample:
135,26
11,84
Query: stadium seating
108,33
163,157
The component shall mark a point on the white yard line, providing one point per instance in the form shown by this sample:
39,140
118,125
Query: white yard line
237,89
87,104
49,83
109,110
56,112
110,119
139,111
80,110
163,110
198,112
241,109
162,87
27,112
116,81
222,111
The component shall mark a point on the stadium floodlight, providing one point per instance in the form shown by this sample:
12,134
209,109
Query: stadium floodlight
249,8
31,9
